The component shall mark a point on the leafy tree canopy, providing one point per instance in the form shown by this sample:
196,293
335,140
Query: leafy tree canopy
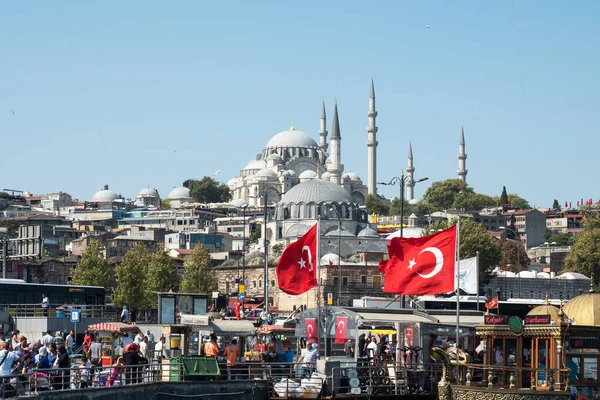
208,190
161,276
12,225
395,207
375,205
561,239
555,205
514,258
474,238
441,195
585,253
198,273
473,201
504,196
131,279
93,269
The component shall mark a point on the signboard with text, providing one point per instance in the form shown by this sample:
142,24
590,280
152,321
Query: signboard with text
538,320
495,320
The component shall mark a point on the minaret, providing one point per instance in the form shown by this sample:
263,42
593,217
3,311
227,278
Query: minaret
323,130
372,144
462,156
410,178
337,167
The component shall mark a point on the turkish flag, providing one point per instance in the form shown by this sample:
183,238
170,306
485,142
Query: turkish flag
491,304
422,265
311,328
341,326
297,267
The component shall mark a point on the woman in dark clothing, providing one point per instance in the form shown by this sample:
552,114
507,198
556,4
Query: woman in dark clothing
132,360
62,381
361,345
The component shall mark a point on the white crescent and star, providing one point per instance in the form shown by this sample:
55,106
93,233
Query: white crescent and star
439,262
341,326
302,262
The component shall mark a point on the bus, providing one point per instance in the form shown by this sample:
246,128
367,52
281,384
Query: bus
17,291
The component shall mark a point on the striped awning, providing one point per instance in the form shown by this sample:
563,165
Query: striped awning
112,326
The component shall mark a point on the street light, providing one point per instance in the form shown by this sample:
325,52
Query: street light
339,254
401,181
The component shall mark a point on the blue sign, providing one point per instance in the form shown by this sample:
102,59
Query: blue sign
242,296
75,316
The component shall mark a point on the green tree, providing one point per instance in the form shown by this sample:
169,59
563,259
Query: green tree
472,201
474,238
161,275
518,202
131,279
375,205
277,249
12,225
198,273
165,204
395,207
504,196
208,190
585,253
514,258
561,239
442,194
555,205
93,269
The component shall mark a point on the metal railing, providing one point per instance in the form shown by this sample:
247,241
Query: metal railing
57,379
36,310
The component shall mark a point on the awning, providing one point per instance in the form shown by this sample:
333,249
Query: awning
113,327
374,318
223,327
277,329
383,331
464,320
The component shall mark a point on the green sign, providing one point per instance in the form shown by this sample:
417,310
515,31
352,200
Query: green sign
516,325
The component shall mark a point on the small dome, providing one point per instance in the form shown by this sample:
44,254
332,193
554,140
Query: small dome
584,309
104,196
256,164
291,138
336,233
326,176
572,275
297,230
368,232
353,177
316,191
330,258
521,274
148,192
274,157
308,174
547,309
266,173
238,203
180,193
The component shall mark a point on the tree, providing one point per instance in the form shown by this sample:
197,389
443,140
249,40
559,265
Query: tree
474,238
504,197
514,258
208,190
131,279
375,205
441,195
561,239
518,203
165,204
11,225
198,274
161,275
93,269
585,253
472,201
277,249
394,208
555,205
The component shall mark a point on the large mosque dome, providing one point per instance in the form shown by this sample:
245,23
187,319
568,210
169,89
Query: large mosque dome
584,309
180,193
104,196
291,138
148,192
316,191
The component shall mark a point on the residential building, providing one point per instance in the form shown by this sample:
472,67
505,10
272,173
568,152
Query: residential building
214,243
120,245
529,225
56,270
569,221
79,245
56,201
173,220
43,235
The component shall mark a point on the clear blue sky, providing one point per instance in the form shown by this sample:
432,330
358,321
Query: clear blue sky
144,93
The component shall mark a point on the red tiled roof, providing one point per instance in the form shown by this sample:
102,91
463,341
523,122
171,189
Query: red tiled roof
184,252
518,212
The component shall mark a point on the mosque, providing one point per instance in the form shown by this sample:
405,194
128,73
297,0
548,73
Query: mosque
306,180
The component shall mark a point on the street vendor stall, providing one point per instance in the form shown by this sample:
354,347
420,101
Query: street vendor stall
110,334
265,348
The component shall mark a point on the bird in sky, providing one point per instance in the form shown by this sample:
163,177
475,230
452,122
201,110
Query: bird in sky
13,113
218,172
428,26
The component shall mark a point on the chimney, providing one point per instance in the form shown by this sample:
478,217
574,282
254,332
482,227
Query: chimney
105,187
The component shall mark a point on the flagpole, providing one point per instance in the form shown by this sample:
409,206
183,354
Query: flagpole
457,285
477,269
318,280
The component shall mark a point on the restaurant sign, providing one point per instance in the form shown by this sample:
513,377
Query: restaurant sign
538,320
495,320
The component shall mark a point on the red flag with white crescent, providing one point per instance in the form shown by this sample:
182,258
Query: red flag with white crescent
341,327
422,265
311,328
297,267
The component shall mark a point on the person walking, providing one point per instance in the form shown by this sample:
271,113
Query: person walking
232,353
125,315
58,339
45,304
70,342
96,352
349,348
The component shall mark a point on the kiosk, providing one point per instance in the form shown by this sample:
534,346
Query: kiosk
110,334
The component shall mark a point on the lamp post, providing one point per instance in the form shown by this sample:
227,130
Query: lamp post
337,214
401,181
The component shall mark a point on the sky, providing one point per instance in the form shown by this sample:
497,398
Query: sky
147,93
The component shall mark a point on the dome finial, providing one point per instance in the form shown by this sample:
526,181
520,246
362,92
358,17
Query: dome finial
292,128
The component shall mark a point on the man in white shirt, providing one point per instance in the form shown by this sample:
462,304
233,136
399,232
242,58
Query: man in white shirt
7,360
372,348
139,338
160,350
45,304
126,339
125,315
47,338
70,342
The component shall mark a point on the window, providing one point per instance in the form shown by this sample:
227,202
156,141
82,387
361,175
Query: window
254,283
259,283
345,281
273,283
363,279
377,281
51,267
335,282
